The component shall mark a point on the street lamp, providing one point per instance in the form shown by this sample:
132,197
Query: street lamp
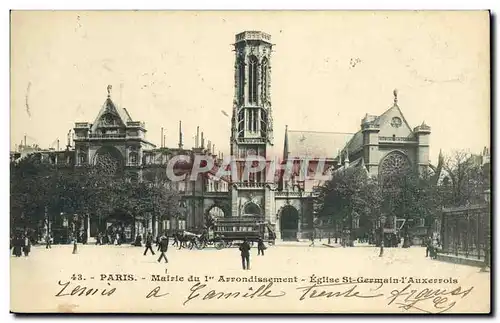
488,233
182,215
382,238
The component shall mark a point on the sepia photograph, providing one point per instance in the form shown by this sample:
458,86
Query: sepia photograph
257,162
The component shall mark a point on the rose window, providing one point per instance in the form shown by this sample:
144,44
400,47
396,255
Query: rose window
394,164
107,162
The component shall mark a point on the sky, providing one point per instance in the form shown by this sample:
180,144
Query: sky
329,69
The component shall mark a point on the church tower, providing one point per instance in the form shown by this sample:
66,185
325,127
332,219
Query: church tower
252,126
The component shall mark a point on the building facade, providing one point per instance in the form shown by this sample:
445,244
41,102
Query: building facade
383,144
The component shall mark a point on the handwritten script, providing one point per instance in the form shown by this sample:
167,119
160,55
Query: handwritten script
407,298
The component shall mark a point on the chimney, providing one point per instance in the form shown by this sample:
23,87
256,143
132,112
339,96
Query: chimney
202,141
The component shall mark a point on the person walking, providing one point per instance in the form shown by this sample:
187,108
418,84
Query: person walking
163,248
428,245
312,240
18,246
48,242
75,244
149,243
27,246
260,247
158,242
245,254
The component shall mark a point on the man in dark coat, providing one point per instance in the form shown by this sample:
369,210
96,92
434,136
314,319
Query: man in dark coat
48,242
428,245
163,248
149,242
245,254
260,247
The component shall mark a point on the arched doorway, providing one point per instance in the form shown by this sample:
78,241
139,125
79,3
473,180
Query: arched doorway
121,222
214,213
289,223
252,209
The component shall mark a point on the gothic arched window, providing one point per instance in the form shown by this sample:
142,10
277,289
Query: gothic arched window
264,71
241,82
252,80
241,122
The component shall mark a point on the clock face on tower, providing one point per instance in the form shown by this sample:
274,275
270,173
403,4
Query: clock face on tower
251,152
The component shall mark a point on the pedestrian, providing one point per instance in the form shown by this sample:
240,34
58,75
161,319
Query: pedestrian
27,246
75,244
434,249
260,247
245,254
149,242
18,245
428,246
48,242
163,248
312,240
158,242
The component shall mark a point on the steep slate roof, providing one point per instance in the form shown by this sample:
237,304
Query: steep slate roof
315,144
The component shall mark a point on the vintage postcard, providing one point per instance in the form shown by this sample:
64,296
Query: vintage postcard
250,162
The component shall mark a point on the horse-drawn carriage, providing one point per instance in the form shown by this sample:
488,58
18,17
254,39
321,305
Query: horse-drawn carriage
230,231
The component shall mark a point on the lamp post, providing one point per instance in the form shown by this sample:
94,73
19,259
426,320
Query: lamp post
488,232
182,214
75,234
382,238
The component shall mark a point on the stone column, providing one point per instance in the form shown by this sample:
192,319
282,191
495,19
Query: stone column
299,228
88,226
234,201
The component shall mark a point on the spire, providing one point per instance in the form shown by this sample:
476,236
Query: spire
395,92
109,91
180,134
285,146
197,140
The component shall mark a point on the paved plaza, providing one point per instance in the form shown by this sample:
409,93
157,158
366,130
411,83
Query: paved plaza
35,280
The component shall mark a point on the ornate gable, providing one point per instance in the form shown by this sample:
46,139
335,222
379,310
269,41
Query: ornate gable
393,123
110,115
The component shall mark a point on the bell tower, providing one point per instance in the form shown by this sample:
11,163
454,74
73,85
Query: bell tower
251,125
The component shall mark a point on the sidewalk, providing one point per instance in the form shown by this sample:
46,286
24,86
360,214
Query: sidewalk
306,243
